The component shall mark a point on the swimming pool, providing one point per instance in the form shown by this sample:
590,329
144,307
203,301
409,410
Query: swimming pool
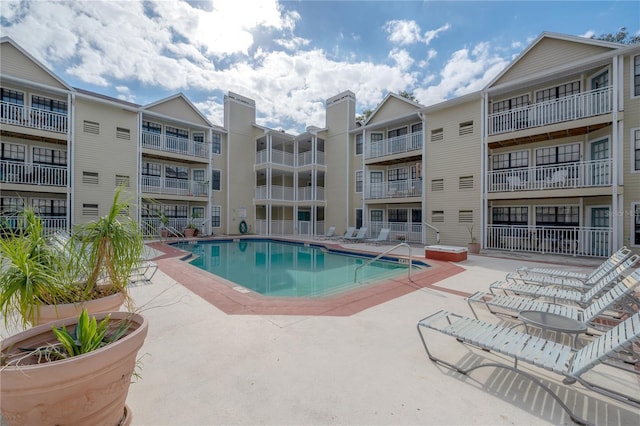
282,269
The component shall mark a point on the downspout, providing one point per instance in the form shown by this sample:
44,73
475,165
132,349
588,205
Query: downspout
365,213
139,167
71,123
209,229
423,172
484,155
615,145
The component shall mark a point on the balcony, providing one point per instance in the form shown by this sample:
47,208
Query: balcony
33,174
395,145
51,224
574,241
306,158
282,193
394,189
175,145
568,108
170,186
307,194
584,174
34,118
277,157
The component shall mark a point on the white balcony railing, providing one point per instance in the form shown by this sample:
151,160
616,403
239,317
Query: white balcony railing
394,189
398,231
306,193
170,186
573,107
283,193
51,224
575,241
306,158
33,117
175,145
582,174
396,145
33,174
277,157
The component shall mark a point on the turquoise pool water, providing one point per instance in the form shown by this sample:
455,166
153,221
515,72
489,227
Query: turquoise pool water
274,268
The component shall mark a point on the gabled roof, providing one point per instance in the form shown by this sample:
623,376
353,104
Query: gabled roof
9,40
389,96
557,36
181,96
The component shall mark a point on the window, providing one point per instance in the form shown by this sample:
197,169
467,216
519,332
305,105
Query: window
636,224
175,211
437,184
11,96
376,216
359,181
635,145
177,133
215,180
437,216
398,174
359,144
198,175
510,215
510,160
508,104
358,218
465,182
376,137
53,105
437,135
10,206
12,151
415,128
216,143
465,216
558,91
558,154
176,172
465,128
91,178
55,157
398,215
216,214
558,215
397,132
91,127
50,207
151,169
416,215
151,127
636,76
122,133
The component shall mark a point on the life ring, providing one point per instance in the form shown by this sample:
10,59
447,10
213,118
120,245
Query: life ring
242,227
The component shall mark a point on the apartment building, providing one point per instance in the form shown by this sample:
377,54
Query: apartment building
545,158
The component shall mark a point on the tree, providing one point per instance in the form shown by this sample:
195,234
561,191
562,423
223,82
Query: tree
365,115
408,95
622,36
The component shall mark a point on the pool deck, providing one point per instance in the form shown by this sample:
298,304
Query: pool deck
204,366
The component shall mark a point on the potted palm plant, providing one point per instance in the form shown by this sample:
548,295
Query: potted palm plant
45,278
473,246
73,371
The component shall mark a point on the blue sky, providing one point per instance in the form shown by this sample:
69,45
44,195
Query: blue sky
290,56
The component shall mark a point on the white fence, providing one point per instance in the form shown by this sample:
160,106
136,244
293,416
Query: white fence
33,117
33,174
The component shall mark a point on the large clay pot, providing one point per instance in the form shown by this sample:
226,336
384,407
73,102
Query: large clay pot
48,313
83,390
473,248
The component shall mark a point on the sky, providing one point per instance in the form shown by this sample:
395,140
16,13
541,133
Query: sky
290,56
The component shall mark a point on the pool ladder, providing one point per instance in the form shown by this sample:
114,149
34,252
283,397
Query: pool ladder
355,273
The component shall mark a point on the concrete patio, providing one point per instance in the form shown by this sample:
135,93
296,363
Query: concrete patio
201,366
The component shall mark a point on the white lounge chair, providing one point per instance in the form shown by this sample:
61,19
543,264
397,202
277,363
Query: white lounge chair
559,294
382,237
331,232
555,357
533,274
360,236
348,233
611,300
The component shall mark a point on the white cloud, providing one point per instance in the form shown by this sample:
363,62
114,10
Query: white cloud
430,35
402,58
402,32
125,94
431,53
292,43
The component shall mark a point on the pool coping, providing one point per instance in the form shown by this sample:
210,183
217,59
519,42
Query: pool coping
221,293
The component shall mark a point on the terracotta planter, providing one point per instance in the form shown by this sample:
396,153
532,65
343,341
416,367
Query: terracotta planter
189,232
48,313
164,233
86,389
473,248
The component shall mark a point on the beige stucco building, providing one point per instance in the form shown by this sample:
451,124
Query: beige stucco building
545,158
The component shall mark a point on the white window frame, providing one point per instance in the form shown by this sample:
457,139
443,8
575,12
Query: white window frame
212,151
535,153
361,182
533,208
632,95
530,209
27,152
633,141
219,171
219,216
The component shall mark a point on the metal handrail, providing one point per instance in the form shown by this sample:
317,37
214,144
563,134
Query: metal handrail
355,273
435,229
